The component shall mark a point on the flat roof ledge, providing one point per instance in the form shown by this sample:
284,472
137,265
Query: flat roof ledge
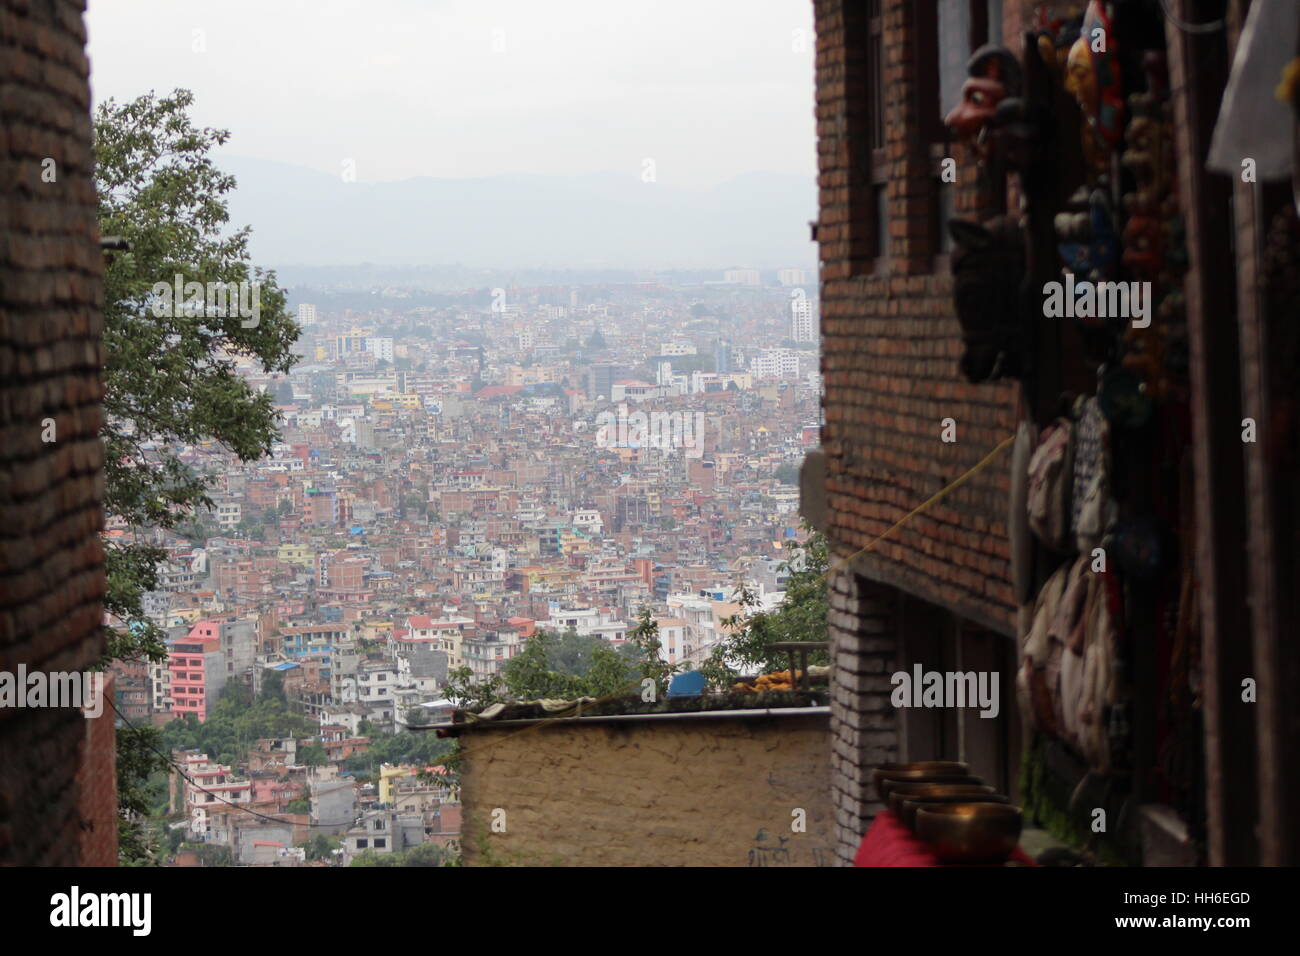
751,713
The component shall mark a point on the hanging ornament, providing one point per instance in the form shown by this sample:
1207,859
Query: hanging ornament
1092,77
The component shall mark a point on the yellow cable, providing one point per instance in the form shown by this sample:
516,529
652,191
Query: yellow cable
938,495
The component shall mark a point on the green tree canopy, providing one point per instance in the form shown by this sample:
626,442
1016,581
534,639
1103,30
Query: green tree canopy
321,847
426,854
420,748
560,666
801,616
170,376
235,724
787,473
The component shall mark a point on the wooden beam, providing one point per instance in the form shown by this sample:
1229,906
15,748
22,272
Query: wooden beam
1198,72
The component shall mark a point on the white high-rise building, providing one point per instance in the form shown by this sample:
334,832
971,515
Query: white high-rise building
381,347
775,363
802,326
743,276
792,277
306,315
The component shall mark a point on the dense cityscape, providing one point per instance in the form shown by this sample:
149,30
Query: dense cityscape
849,434
449,481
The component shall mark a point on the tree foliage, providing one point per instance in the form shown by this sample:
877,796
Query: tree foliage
235,724
650,662
558,667
801,616
423,748
170,380
426,854
321,847
138,761
312,755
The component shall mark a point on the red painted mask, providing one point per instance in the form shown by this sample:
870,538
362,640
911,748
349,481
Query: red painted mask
980,97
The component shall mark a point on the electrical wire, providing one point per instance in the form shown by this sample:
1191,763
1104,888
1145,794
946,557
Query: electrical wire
166,758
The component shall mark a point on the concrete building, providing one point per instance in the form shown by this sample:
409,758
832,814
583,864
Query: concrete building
333,802
197,667
803,325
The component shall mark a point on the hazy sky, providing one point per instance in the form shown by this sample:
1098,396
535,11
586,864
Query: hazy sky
707,89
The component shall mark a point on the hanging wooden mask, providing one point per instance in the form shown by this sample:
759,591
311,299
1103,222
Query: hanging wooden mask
1100,34
1092,77
1058,24
988,267
993,75
1089,246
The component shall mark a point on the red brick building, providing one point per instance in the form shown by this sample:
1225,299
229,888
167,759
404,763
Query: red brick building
57,807
890,350
911,412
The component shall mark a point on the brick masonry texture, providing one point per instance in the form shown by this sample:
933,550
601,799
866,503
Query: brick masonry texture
890,348
690,792
864,729
891,343
51,557
97,783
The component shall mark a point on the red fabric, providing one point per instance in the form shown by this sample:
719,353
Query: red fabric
889,843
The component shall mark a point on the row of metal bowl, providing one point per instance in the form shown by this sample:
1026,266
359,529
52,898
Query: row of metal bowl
961,818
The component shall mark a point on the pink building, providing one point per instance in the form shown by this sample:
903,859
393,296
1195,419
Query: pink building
275,794
196,678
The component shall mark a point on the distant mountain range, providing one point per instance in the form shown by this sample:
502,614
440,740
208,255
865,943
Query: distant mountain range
303,217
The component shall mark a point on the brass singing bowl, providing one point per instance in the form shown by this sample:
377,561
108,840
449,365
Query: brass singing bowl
970,832
929,771
897,792
908,805
888,786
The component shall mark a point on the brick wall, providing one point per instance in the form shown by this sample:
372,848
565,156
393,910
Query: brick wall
682,792
51,560
97,783
890,349
891,343
864,725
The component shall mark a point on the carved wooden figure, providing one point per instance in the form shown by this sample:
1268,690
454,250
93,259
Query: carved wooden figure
988,269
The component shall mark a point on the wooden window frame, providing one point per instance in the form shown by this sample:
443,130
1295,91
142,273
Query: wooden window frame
869,252
880,244
935,140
